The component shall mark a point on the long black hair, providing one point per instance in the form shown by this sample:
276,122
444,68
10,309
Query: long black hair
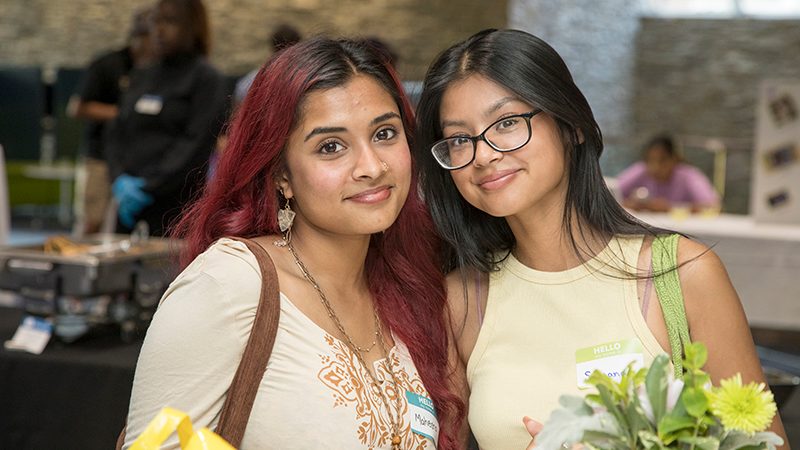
531,69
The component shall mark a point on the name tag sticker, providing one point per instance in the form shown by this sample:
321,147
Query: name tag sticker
610,358
149,104
422,416
32,335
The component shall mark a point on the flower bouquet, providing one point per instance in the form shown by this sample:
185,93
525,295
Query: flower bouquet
649,409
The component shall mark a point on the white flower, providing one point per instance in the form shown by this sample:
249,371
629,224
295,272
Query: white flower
644,400
674,389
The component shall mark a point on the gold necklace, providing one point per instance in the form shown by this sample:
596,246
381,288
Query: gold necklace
395,421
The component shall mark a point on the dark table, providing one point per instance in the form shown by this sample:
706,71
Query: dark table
72,396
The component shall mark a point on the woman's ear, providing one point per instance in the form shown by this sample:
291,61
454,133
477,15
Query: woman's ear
579,134
283,184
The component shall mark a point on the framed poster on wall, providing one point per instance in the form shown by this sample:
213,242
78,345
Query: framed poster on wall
775,190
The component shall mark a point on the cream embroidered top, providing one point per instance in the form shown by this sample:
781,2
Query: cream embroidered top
535,322
314,393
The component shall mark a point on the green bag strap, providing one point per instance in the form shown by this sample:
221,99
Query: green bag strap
668,290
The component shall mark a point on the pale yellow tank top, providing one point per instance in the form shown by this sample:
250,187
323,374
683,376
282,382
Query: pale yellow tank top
537,327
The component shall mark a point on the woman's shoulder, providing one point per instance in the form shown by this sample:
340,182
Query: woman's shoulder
698,265
462,281
695,260
702,276
685,170
467,291
227,264
634,170
225,256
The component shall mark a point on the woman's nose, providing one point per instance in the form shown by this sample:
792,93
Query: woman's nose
485,154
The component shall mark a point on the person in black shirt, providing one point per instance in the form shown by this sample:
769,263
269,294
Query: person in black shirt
161,141
107,77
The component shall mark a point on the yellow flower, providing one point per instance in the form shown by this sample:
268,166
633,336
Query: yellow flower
746,408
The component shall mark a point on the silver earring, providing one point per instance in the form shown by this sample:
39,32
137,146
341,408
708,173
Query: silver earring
286,217
285,220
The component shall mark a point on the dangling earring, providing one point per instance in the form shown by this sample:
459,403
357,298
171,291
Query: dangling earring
285,220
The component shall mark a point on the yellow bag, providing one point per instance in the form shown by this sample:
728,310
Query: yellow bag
170,420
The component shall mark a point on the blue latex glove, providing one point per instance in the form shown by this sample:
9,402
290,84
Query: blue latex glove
131,197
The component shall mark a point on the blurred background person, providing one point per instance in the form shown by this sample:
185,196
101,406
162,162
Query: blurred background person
160,144
663,181
107,77
284,36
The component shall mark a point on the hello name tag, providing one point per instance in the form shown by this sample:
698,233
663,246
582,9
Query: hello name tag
610,358
32,335
422,416
149,104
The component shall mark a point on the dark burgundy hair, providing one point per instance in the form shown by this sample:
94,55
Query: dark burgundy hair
241,200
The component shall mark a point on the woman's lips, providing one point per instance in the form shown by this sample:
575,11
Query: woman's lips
375,195
497,180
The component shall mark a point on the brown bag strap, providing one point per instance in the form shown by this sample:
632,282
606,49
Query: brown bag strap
242,393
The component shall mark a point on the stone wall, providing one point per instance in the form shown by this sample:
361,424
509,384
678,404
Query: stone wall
596,40
68,33
700,77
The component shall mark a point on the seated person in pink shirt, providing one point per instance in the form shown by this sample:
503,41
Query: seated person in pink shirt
662,181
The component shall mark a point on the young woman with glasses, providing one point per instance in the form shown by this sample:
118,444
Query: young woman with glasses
545,263
318,172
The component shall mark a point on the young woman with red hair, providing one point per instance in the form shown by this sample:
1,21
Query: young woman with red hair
324,132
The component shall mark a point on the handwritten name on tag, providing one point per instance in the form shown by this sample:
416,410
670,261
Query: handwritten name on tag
422,416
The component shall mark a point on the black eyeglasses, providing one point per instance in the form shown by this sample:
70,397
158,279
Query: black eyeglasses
506,135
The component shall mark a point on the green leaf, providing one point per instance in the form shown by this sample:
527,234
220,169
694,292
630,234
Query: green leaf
636,417
704,443
696,356
739,440
594,398
711,422
641,376
695,401
612,407
656,386
576,405
568,424
598,379
650,440
671,423
680,409
602,439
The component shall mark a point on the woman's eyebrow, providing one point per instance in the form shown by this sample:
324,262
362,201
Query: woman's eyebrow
453,123
384,117
498,104
488,112
323,130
